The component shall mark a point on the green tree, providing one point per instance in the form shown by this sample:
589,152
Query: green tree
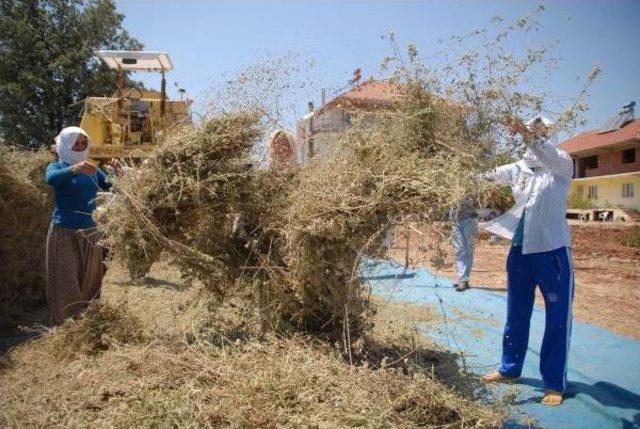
47,63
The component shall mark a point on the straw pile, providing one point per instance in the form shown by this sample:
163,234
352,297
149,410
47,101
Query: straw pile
292,241
185,200
103,324
199,199
135,375
404,169
25,214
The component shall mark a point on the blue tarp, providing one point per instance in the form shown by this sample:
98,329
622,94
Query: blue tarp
604,367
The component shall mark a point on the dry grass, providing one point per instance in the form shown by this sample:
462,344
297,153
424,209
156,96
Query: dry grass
274,257
291,241
182,198
173,368
407,167
102,325
25,214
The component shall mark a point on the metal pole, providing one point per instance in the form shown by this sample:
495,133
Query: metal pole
119,92
163,94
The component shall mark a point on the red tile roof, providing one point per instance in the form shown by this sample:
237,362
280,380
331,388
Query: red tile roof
369,94
593,140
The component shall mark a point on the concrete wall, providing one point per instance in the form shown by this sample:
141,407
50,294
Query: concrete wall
317,133
609,191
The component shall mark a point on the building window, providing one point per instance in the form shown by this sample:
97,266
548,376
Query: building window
593,192
590,162
629,156
627,190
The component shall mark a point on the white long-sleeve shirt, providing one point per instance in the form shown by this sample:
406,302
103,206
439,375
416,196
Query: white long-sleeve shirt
540,195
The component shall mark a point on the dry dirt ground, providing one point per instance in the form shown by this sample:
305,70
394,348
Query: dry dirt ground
607,273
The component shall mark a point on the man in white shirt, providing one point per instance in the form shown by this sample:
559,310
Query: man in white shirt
540,256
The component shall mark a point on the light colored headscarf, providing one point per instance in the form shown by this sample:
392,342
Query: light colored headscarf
552,135
64,145
529,157
282,150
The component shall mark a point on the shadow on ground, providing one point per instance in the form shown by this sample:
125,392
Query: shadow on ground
152,282
23,327
442,365
605,393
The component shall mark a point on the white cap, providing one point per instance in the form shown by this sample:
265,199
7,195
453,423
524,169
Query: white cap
545,121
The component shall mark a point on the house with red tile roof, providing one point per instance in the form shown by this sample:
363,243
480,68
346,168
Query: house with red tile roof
316,130
607,163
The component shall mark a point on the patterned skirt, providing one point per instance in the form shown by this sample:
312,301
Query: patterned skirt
74,271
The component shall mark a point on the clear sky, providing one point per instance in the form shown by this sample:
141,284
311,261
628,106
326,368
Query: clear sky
208,40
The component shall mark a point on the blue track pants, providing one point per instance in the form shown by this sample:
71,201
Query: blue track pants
553,273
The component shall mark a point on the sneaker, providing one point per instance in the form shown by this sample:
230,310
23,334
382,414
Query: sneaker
462,286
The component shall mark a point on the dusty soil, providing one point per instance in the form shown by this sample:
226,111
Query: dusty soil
607,273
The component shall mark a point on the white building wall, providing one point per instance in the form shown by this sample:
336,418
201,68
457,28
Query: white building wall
609,191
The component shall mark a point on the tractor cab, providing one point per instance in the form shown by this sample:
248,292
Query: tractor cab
128,124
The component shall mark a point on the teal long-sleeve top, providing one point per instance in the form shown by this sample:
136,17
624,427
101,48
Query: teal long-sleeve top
518,235
74,195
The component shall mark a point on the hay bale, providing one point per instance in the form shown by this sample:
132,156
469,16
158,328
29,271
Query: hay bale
25,214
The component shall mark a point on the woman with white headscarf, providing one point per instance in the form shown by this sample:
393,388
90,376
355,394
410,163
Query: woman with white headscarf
73,259
281,150
540,256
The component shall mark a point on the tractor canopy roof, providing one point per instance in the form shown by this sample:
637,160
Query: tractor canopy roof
137,60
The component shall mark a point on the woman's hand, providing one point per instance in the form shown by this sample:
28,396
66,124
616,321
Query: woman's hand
516,126
528,133
84,167
114,165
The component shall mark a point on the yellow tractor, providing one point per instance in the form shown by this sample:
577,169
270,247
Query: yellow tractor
128,124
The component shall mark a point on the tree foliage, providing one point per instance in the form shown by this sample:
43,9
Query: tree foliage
47,63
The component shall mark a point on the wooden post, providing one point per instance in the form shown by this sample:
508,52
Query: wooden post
406,247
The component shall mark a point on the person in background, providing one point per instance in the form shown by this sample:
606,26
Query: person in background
73,257
540,256
281,150
463,235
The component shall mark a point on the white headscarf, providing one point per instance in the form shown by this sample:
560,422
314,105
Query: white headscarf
552,136
64,145
530,159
